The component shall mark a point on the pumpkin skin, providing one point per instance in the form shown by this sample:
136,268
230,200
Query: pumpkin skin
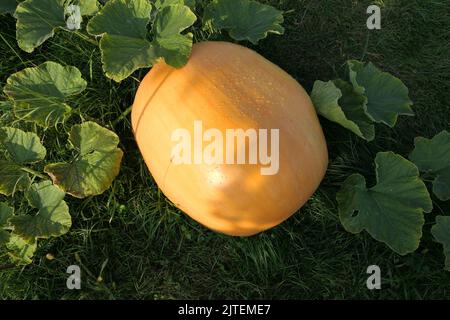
228,86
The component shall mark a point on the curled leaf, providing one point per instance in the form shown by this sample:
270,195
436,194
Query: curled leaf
387,96
336,101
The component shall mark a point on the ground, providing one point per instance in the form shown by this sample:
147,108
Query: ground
144,248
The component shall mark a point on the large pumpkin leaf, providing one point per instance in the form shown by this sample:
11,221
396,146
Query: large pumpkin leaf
244,19
21,251
123,27
441,232
39,93
433,156
13,178
96,165
392,210
52,219
37,21
336,101
387,96
170,44
6,213
126,18
24,147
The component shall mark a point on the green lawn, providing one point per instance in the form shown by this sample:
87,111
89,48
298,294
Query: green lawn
144,248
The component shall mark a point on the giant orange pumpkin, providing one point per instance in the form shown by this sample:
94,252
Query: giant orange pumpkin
227,86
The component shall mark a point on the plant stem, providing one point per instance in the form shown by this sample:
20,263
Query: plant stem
86,38
123,115
33,172
365,46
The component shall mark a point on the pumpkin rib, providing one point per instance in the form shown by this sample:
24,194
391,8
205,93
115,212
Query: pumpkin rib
152,96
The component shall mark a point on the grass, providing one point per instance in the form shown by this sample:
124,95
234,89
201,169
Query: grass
142,247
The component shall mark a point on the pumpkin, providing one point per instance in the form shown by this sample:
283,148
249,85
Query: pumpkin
226,86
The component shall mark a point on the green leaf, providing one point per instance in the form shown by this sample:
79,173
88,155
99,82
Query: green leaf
37,21
160,4
172,20
123,27
244,19
433,156
8,6
392,210
97,164
170,44
6,213
24,147
121,56
20,251
12,178
39,93
355,67
126,18
4,237
387,96
52,219
89,137
336,101
441,232
87,7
